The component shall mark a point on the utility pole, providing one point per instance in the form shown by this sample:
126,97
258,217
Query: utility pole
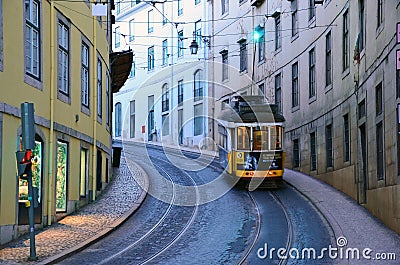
24,166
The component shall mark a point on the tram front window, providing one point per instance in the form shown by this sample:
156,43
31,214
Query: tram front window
260,138
276,137
243,139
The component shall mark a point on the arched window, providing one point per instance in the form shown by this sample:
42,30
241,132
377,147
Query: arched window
118,119
198,85
165,98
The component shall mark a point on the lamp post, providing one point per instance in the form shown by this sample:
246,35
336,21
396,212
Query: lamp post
194,46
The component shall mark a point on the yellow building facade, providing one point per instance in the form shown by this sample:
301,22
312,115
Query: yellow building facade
54,54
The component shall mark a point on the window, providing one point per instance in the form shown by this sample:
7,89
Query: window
165,98
313,152
150,58
295,22
196,2
117,37
378,99
398,139
329,145
32,38
361,109
63,58
165,124
150,21
346,138
131,30
180,8
398,83
61,188
278,33
118,7
296,153
361,17
132,119
261,47
261,89
379,13
311,73
225,65
278,92
198,85
346,43
379,152
224,6
150,117
84,173
180,92
198,119
328,59
85,75
118,119
133,70
164,14
243,138
311,9
197,30
135,2
295,85
99,88
243,55
108,99
180,43
165,52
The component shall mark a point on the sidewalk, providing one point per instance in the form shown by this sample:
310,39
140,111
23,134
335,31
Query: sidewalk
347,218
118,202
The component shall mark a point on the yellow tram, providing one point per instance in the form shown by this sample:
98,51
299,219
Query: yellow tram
250,141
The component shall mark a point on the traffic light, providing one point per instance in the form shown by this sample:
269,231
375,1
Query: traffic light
258,33
23,163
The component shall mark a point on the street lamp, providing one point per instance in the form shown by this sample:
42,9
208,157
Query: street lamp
194,46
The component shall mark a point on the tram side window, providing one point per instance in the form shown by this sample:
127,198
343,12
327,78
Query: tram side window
243,138
223,137
276,137
260,138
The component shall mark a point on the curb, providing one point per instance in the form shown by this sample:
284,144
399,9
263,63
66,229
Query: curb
71,251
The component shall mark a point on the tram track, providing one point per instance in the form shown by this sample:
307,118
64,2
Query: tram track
248,251
153,230
290,226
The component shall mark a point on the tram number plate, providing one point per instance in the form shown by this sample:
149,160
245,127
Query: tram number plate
270,157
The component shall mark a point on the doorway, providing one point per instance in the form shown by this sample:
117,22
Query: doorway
363,181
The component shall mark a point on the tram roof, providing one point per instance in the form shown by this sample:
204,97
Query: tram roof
260,113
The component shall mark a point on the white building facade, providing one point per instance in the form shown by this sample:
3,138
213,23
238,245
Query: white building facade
165,98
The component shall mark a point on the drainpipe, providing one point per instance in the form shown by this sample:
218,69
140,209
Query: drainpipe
51,142
94,154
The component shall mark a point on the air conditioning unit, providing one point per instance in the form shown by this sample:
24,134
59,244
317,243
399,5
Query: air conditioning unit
256,2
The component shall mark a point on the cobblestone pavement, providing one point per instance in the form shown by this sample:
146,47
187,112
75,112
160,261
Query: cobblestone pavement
117,202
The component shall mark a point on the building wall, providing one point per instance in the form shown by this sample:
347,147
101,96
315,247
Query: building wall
176,67
377,65
70,123
349,87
